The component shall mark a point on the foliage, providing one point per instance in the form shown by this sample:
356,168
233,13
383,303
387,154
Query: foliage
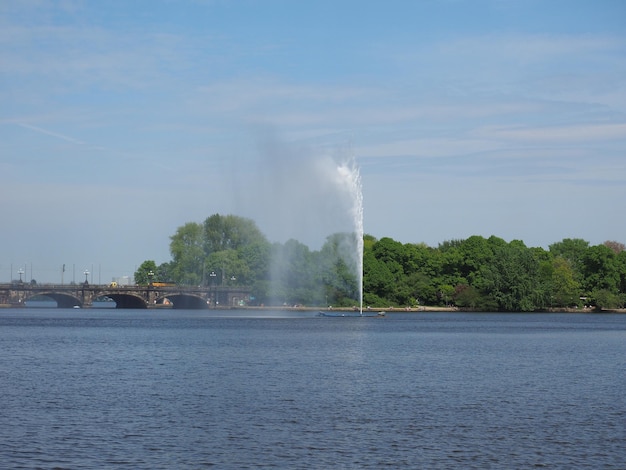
606,299
512,279
476,273
615,247
147,272
564,288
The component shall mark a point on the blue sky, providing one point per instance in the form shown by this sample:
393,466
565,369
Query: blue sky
121,121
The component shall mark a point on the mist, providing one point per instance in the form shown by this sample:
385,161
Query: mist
296,191
302,192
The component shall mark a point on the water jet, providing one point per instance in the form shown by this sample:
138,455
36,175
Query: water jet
350,178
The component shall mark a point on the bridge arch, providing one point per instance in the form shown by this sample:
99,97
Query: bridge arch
124,299
128,301
62,299
186,301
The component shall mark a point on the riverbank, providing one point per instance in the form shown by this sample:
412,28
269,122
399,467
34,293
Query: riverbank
419,309
427,309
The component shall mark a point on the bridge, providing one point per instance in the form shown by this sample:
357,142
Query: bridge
83,295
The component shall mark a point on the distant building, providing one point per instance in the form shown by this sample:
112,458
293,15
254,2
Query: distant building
124,281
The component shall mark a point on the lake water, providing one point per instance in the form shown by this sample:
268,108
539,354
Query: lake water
152,389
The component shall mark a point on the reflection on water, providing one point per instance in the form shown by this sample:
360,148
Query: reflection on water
53,304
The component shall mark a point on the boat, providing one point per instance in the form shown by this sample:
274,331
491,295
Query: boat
331,313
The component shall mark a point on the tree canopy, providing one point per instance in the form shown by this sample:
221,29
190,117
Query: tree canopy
476,273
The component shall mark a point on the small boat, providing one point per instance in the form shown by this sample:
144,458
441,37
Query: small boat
330,313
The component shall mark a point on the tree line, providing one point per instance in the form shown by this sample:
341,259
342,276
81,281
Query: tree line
486,274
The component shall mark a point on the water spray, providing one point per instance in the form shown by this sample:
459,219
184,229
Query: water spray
350,178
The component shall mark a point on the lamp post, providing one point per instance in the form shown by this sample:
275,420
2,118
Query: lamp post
86,273
20,272
212,275
232,299
150,276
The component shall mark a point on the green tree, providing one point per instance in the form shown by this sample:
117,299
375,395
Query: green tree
230,232
475,252
512,279
223,245
378,281
234,247
621,267
422,268
146,273
451,259
605,299
391,255
573,250
564,288
186,248
467,297
164,272
476,273
600,269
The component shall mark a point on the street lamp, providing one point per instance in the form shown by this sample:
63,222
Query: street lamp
86,273
20,272
150,276
212,275
231,298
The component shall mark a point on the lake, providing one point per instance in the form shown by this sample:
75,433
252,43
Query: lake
149,389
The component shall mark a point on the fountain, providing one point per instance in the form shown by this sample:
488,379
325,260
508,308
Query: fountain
297,181
350,177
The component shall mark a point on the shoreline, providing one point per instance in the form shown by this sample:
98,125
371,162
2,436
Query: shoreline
421,309
426,309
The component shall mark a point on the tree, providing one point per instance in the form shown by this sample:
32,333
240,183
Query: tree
377,281
234,247
186,248
229,232
605,299
451,262
467,297
564,288
390,257
146,273
477,273
221,244
164,272
424,289
475,252
616,247
600,269
513,280
573,250
621,267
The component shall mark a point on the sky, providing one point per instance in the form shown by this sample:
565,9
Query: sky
122,121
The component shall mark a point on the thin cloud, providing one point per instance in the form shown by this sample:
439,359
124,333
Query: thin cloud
50,133
556,134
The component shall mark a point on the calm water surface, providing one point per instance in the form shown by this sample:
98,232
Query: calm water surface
186,389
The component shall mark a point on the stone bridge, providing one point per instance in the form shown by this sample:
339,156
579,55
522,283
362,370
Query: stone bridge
83,295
